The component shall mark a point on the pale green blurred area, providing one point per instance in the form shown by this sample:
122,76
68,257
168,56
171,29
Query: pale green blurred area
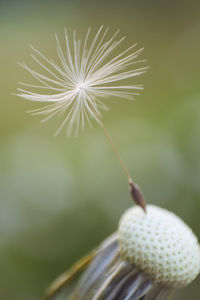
60,197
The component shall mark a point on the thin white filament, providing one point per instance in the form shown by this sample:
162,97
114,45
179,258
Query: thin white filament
86,72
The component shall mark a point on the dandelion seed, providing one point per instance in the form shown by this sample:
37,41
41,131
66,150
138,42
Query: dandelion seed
87,72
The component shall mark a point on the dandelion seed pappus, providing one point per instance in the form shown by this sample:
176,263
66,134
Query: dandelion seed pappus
86,72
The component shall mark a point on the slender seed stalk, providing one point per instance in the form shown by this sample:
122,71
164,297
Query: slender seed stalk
135,191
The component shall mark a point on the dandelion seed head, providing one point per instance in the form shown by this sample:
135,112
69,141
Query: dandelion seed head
87,70
160,244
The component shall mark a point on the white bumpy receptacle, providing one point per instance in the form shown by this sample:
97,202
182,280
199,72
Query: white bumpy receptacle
160,244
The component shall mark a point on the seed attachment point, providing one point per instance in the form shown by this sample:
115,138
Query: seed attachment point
137,196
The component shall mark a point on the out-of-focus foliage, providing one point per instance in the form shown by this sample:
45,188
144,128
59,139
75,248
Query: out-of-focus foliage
60,197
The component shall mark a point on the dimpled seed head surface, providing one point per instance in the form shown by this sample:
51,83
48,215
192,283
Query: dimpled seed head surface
160,244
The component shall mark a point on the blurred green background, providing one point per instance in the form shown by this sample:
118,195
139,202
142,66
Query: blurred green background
60,197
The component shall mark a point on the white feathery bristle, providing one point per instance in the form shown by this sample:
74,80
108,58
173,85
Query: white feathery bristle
86,71
160,244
